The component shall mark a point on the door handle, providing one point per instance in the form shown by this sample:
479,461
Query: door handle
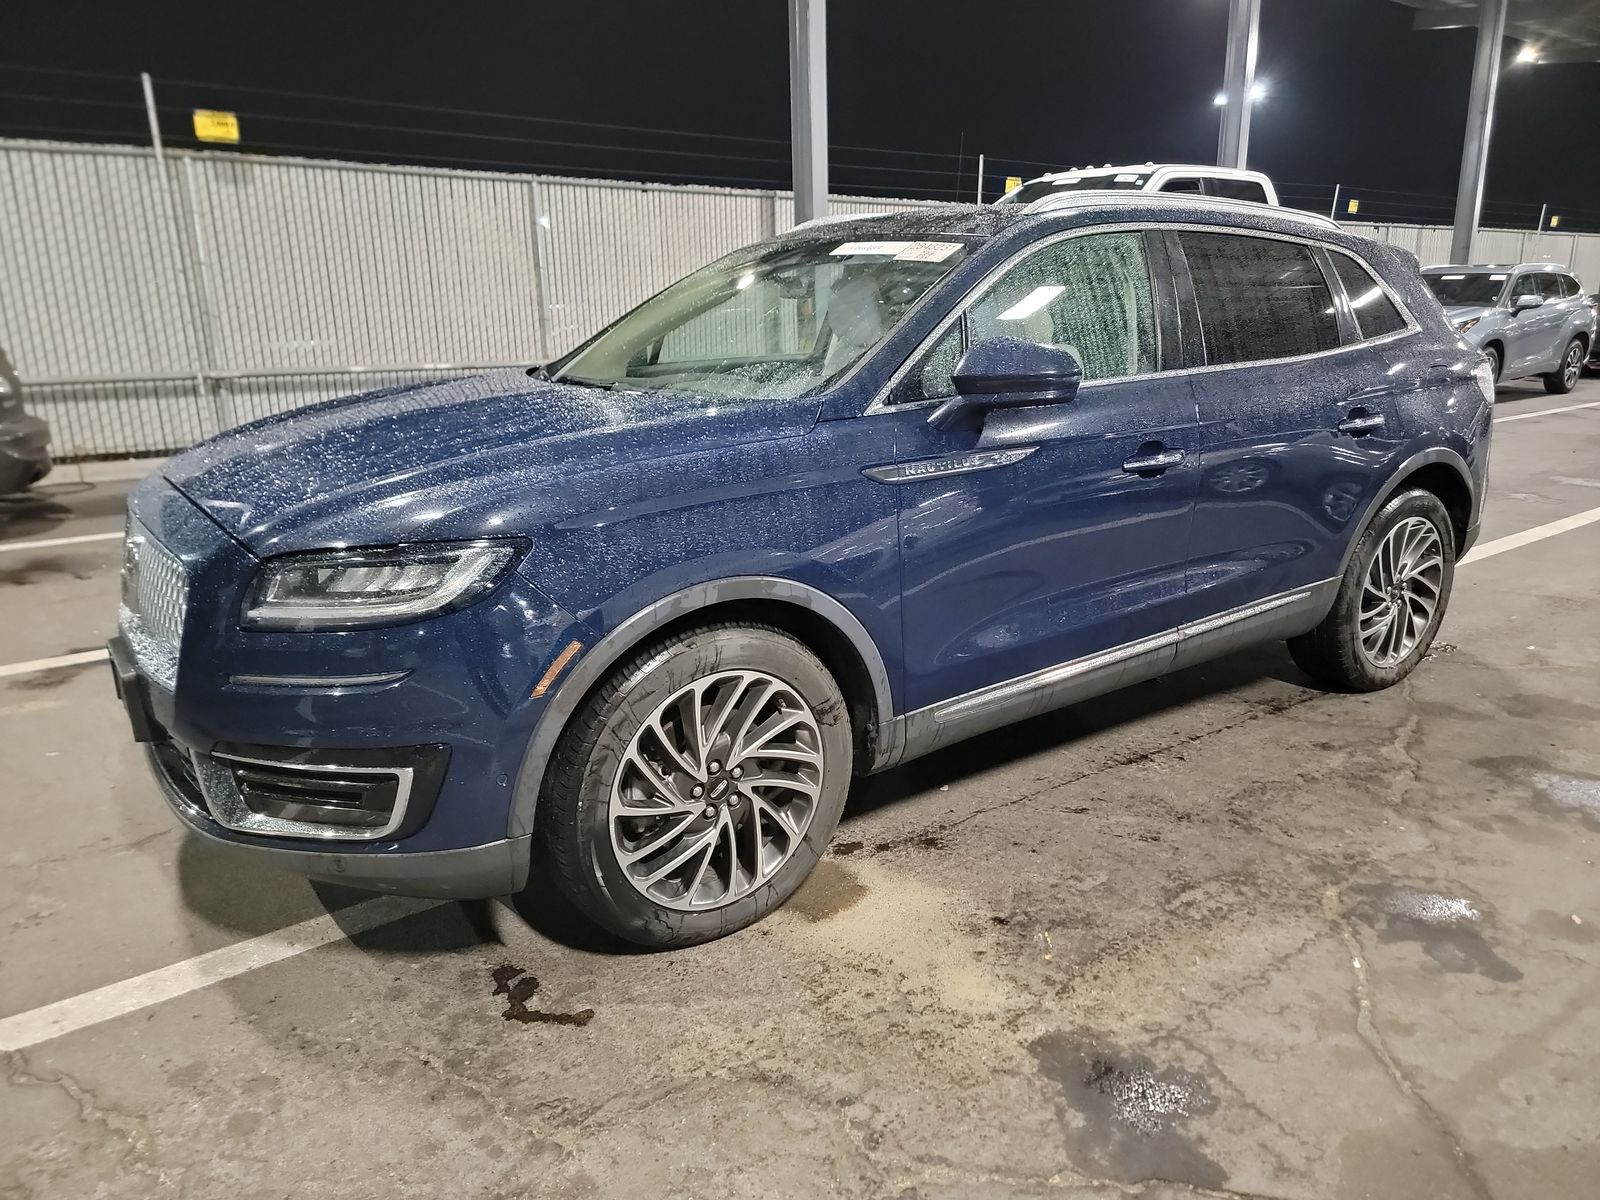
1153,464
1359,424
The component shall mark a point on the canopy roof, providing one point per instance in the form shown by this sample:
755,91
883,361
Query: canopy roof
1558,30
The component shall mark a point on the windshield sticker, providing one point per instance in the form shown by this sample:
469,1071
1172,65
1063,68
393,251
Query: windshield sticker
901,251
927,251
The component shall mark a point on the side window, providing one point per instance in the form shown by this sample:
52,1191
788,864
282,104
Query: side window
1570,287
1524,285
1259,298
1375,313
1090,295
1550,287
1239,189
1192,186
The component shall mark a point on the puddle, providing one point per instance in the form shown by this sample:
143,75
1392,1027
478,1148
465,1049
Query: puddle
829,891
845,849
1448,928
1439,648
518,987
1123,1114
1555,792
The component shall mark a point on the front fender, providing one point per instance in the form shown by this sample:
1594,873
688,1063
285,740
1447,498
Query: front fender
600,658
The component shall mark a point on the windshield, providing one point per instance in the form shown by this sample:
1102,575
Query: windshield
1038,189
1467,289
772,322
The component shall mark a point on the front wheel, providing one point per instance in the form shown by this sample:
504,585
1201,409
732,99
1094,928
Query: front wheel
1565,377
1390,601
699,785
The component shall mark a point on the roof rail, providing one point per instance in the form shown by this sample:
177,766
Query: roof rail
834,219
1089,198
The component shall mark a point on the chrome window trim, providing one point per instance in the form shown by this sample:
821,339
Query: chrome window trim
229,811
1412,324
880,401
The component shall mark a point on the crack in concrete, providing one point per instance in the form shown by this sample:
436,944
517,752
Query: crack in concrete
133,1131
1367,1030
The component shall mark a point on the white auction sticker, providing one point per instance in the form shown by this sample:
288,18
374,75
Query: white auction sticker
904,251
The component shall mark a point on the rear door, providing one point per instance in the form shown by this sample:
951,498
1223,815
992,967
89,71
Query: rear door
1299,425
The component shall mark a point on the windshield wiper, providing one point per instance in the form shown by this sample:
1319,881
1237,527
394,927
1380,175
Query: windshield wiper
610,386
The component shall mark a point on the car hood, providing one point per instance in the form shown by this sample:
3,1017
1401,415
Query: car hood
458,458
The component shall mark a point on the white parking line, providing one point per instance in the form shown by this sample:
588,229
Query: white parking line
51,664
1537,534
167,983
1546,412
47,543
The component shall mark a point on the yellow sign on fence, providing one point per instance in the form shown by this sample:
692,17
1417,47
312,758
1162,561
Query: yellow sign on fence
1013,182
1354,206
213,126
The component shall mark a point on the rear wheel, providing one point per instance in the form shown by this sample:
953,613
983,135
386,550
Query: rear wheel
698,787
1565,377
1390,601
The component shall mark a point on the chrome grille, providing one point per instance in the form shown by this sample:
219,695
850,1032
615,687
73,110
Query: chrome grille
155,590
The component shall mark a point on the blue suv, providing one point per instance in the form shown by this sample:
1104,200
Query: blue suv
635,618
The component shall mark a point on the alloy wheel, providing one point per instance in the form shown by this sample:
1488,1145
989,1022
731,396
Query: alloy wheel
716,790
1400,592
1573,365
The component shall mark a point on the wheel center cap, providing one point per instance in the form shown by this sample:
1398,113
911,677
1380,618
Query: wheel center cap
719,787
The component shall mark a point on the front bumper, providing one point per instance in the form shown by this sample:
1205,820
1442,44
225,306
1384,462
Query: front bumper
24,452
450,706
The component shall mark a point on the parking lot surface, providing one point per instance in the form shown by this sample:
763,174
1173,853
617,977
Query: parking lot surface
1219,934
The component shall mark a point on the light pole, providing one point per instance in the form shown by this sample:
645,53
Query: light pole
1480,118
808,106
1238,82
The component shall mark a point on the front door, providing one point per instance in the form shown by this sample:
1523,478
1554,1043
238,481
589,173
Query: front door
1056,532
1533,335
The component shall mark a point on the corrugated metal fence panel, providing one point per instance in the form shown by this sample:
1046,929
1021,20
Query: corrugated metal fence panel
314,266
609,248
93,271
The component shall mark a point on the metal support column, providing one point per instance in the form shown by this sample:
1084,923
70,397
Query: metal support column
808,106
1239,76
1480,118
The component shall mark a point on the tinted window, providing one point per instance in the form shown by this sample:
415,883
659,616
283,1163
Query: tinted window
1570,287
1375,313
1259,298
1182,185
1525,285
1550,287
1239,189
1090,295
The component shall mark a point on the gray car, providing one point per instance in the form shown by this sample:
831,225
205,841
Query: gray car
1529,319
24,439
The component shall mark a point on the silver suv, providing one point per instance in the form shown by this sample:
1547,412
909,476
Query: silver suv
1529,319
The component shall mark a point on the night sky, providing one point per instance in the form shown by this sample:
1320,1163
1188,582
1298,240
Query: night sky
917,89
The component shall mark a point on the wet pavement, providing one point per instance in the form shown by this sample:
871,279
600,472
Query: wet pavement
1222,934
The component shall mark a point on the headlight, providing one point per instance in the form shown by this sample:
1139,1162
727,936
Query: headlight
1463,326
347,589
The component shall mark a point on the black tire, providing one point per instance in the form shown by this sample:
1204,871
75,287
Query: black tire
574,805
1332,652
1493,356
1565,377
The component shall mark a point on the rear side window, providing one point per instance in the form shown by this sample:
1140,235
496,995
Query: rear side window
1192,186
1570,287
1375,313
1239,189
1259,298
1550,287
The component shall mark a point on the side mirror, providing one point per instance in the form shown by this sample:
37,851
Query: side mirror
1007,372
1526,301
